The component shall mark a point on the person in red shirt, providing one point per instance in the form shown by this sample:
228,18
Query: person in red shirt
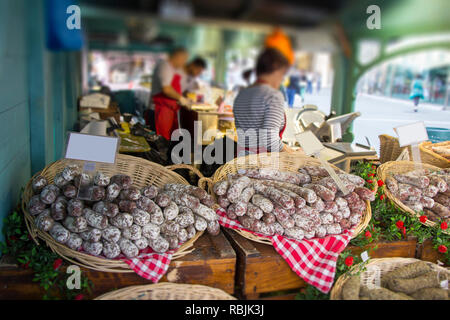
167,92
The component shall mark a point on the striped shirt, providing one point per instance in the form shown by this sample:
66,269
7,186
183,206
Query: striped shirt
259,117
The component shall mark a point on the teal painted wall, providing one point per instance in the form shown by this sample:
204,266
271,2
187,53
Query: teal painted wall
38,94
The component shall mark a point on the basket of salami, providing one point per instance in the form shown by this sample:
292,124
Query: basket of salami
418,191
290,195
167,291
436,154
135,207
393,279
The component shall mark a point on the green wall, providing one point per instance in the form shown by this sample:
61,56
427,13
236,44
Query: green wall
38,91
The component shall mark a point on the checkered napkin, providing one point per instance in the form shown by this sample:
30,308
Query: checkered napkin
150,265
313,260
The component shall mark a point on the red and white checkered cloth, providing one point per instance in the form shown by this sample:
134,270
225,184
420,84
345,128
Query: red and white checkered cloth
313,260
150,265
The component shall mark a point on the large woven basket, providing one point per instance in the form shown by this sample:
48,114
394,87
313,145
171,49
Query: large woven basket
390,148
428,156
375,269
143,173
398,167
167,291
281,161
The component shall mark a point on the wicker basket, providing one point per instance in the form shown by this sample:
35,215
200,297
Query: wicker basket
143,173
374,269
397,167
280,161
390,148
167,291
428,156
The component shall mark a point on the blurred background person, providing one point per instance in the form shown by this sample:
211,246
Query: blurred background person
309,83
166,94
293,88
417,91
259,109
192,71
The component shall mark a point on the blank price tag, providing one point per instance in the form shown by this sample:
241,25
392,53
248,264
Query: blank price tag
413,133
312,147
92,148
444,284
364,256
309,143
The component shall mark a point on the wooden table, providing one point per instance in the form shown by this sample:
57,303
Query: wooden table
260,269
212,263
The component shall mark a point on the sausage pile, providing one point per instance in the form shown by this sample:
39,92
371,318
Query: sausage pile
423,190
415,281
304,204
121,218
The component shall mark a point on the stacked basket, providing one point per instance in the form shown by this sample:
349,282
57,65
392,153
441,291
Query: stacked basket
398,167
374,270
167,291
143,173
279,161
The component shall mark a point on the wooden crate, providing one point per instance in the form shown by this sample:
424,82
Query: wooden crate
260,269
212,263
426,252
402,248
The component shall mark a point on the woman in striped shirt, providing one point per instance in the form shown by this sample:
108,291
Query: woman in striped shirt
259,109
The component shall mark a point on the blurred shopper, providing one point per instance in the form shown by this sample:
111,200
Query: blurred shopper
417,91
318,82
193,70
166,95
259,109
293,88
309,83
246,75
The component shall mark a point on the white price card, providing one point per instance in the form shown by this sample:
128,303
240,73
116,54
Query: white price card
412,133
444,284
364,256
312,147
309,143
92,148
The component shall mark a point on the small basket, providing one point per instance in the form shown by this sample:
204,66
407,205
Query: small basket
376,268
281,161
428,156
167,291
398,167
143,173
390,148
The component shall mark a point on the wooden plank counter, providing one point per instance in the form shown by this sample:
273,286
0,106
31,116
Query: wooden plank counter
260,269
212,263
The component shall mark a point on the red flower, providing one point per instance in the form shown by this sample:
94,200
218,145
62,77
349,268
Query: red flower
404,231
380,183
79,297
399,224
444,225
57,263
423,219
382,197
371,175
373,167
13,238
442,249
369,181
25,266
368,234
348,261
